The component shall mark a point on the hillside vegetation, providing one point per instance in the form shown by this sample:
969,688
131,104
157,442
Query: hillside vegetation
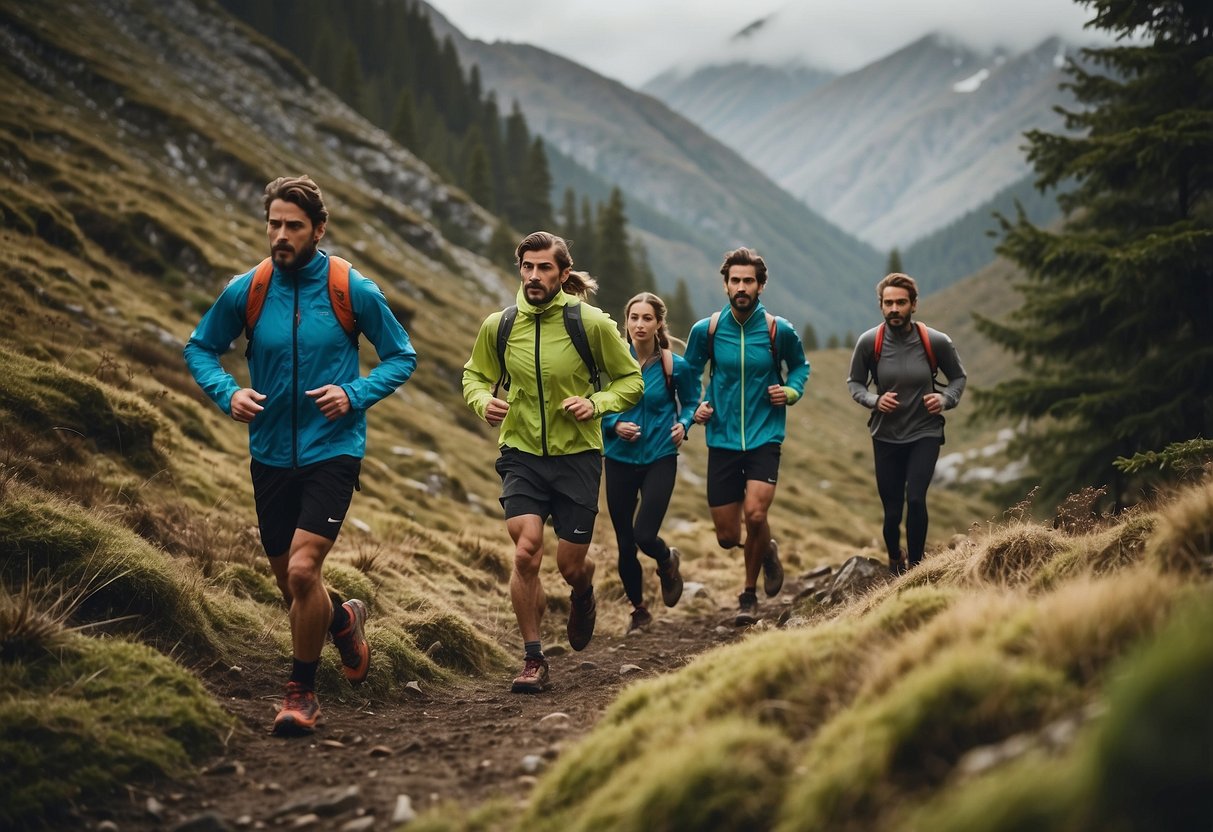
137,137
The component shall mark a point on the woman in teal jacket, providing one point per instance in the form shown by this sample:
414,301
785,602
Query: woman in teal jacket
641,454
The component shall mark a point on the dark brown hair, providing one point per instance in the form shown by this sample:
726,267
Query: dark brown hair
901,281
578,283
744,257
299,190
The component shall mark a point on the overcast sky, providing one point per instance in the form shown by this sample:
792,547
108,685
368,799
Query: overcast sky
633,40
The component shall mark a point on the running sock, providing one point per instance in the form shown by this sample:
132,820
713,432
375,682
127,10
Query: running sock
753,589
534,649
341,619
304,673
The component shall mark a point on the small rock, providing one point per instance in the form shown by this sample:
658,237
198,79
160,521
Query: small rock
224,767
587,665
433,648
380,751
107,826
404,812
244,821
531,763
331,744
527,781
415,690
556,650
155,808
556,718
629,668
326,802
694,589
722,630
359,824
304,821
205,822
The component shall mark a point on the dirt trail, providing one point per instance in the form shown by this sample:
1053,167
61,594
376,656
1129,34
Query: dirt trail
466,744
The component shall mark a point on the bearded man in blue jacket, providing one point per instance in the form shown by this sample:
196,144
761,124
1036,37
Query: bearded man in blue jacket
744,408
306,412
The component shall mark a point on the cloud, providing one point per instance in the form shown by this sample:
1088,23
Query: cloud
633,40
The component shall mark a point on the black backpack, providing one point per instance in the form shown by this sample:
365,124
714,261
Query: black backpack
573,325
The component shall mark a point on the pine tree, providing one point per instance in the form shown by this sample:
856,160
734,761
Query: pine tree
349,84
568,215
613,258
1115,326
680,314
477,180
536,206
404,121
500,250
894,262
809,336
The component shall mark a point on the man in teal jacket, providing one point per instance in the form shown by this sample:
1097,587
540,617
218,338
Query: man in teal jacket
306,412
745,410
550,434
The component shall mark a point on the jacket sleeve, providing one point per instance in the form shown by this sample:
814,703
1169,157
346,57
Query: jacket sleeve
949,362
616,361
857,381
686,383
482,369
696,354
791,352
397,357
219,327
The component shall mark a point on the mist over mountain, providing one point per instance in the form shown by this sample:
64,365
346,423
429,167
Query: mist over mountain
897,149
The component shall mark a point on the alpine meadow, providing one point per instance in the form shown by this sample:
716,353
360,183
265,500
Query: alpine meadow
1047,666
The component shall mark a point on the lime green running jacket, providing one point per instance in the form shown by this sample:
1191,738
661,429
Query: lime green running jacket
544,370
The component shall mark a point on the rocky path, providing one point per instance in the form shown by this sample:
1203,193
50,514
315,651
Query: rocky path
372,762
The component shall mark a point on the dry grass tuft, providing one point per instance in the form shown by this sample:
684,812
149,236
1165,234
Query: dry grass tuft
1014,554
1183,540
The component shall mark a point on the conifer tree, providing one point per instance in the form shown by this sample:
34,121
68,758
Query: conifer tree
568,215
404,121
501,247
809,336
477,180
1115,326
536,208
680,314
613,257
894,264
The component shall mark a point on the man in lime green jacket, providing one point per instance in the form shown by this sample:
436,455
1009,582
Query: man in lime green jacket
551,436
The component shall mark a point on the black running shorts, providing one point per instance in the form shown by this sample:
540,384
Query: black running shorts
564,488
314,498
728,472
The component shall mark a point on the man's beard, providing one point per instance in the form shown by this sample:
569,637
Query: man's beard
546,299
301,258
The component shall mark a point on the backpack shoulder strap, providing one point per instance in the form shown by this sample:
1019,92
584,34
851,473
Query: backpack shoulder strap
575,326
927,348
339,295
505,324
876,348
713,322
772,330
667,368
256,295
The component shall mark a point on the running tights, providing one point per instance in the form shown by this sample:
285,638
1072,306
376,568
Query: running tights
652,486
903,474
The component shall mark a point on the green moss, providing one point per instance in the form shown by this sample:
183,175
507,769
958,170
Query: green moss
728,775
44,396
909,738
464,647
94,717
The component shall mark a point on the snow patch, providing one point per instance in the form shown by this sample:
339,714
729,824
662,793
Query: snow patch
972,83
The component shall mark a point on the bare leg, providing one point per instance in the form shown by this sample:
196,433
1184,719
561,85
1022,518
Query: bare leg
526,590
758,498
311,609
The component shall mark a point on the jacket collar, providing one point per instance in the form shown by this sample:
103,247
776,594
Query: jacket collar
759,313
527,308
317,267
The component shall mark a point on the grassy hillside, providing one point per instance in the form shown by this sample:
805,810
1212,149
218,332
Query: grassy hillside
137,137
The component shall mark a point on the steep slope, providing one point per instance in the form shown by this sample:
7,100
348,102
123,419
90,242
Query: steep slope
673,167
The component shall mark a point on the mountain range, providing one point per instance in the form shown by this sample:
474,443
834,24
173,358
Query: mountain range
894,150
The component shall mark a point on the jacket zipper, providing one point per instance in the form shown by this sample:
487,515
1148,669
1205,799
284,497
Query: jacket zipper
543,421
295,381
744,392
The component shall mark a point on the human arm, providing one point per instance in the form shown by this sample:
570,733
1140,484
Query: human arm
481,372
791,352
857,379
397,357
949,363
687,387
213,337
615,360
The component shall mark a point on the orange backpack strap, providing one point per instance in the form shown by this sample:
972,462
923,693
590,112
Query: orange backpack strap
927,348
339,293
259,288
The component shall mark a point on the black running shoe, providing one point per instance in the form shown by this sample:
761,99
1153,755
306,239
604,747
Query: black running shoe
641,618
582,614
772,570
747,603
671,578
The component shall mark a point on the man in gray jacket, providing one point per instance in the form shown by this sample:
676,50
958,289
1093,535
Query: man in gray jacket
901,358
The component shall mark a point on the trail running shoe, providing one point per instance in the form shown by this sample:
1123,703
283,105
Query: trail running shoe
533,678
772,570
747,614
299,713
351,644
582,614
641,618
671,578
898,565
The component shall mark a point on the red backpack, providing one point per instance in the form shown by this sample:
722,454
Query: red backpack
339,295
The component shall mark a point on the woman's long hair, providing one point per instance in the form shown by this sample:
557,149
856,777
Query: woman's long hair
663,332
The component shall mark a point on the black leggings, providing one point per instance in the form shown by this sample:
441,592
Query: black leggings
652,484
903,474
